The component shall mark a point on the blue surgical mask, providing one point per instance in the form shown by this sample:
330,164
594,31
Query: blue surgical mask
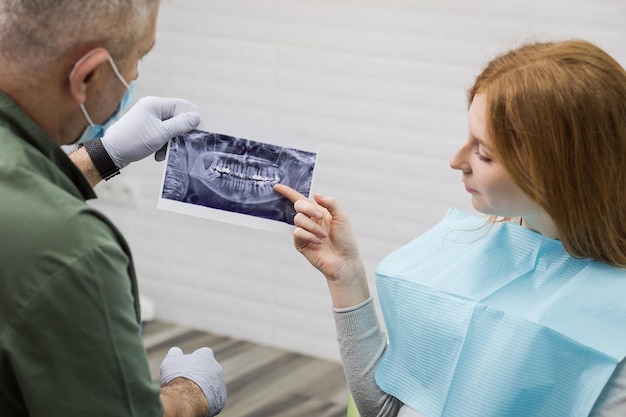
93,130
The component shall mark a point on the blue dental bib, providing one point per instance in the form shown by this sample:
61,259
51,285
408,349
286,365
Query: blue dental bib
498,321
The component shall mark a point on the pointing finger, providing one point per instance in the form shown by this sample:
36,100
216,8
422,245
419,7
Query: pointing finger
288,192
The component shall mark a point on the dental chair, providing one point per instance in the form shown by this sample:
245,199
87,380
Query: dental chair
352,411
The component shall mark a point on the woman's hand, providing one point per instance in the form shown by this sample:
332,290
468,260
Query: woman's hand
324,236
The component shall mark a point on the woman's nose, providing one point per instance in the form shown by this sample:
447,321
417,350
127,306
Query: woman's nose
460,160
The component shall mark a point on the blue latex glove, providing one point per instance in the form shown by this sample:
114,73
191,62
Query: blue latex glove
200,367
146,128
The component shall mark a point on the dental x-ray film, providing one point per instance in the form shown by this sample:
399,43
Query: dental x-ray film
226,168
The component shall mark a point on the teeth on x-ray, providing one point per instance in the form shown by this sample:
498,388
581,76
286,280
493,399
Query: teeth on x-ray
249,173
235,174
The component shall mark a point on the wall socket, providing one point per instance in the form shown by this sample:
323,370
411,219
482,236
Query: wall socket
117,191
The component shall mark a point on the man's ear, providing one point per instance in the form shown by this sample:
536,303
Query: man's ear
84,71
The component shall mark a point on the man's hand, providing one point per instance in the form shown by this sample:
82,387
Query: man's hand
146,128
182,397
201,368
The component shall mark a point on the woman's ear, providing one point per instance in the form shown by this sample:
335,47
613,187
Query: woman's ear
84,72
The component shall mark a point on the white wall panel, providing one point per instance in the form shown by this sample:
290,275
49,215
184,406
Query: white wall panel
380,83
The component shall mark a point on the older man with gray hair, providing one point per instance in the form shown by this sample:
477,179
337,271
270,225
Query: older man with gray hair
70,342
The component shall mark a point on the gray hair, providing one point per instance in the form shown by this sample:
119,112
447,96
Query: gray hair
34,33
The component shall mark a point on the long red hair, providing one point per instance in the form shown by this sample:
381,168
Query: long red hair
556,113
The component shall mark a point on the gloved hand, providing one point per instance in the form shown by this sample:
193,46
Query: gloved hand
200,367
146,128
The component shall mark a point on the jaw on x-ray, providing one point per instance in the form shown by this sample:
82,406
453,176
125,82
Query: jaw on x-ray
235,174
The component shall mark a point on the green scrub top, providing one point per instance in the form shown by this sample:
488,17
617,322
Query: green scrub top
70,342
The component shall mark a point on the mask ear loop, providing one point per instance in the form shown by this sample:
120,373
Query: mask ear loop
117,72
84,110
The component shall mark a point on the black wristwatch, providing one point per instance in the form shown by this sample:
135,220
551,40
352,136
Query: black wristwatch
101,159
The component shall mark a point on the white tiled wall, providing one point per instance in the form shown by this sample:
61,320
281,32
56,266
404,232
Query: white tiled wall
380,83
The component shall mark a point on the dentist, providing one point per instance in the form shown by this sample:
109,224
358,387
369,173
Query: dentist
70,341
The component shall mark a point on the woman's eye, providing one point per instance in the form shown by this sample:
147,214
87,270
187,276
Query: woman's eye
481,157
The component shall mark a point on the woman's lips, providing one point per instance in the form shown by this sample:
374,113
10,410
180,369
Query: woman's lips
470,190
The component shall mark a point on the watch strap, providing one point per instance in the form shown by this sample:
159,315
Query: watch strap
101,159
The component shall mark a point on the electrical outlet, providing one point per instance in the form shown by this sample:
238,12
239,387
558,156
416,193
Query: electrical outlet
117,191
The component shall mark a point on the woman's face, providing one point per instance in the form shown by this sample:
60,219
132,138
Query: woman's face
492,189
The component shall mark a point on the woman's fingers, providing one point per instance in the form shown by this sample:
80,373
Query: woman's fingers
309,216
300,203
309,209
303,237
330,204
312,226
288,192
